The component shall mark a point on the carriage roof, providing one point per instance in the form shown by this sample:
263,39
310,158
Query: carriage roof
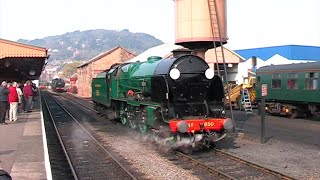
310,66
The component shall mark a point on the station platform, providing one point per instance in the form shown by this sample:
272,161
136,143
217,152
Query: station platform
22,150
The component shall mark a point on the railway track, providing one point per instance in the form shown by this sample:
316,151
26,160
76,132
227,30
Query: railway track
254,165
228,166
217,164
87,158
60,168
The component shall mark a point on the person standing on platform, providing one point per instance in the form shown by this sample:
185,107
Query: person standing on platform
21,99
9,84
27,93
34,94
4,91
13,100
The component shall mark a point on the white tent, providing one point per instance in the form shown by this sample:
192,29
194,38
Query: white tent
244,67
278,59
274,60
162,50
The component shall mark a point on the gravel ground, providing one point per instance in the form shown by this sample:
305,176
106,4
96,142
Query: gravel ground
300,161
297,160
144,158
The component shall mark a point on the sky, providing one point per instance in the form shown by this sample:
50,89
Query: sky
250,23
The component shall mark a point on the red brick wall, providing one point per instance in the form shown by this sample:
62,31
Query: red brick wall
86,73
84,78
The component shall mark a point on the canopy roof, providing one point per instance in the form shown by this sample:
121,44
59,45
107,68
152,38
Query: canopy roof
20,61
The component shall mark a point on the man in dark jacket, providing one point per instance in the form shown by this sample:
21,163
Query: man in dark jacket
27,93
4,91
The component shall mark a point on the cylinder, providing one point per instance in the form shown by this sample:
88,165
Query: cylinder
195,23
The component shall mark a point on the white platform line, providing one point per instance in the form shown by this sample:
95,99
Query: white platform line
45,146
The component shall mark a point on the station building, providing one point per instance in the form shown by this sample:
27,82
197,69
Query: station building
98,64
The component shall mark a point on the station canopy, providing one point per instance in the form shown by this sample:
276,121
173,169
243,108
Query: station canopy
21,62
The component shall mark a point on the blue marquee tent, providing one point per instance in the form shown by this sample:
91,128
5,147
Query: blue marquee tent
291,52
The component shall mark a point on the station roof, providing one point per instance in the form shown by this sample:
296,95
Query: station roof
20,61
300,67
291,52
230,56
103,55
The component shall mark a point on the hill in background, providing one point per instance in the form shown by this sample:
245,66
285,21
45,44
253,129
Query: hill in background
84,45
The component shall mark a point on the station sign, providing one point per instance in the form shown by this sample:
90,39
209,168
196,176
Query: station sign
264,90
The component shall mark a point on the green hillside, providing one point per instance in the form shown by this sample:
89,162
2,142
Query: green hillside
84,45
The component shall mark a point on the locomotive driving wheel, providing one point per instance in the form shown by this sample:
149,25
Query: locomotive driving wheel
143,127
133,123
123,119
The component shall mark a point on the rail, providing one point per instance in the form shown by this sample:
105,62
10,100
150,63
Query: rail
86,132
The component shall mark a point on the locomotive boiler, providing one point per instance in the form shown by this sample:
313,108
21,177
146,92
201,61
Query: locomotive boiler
179,95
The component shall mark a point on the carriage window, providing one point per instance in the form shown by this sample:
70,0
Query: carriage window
292,75
276,76
276,81
292,82
311,81
125,68
276,84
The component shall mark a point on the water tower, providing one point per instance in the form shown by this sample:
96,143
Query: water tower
200,24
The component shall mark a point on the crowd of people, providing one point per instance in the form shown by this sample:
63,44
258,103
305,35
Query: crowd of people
15,99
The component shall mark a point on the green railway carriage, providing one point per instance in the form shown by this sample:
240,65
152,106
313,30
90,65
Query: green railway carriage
179,95
292,90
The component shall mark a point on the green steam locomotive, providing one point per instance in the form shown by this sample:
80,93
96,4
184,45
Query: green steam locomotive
178,96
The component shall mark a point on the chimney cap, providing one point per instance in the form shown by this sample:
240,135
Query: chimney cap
180,52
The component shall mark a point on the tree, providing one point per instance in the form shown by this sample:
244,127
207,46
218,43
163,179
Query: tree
70,69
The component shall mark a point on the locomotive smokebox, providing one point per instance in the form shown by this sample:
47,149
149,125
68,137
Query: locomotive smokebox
196,23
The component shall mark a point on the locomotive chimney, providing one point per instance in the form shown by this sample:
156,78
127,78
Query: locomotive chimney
200,52
179,52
